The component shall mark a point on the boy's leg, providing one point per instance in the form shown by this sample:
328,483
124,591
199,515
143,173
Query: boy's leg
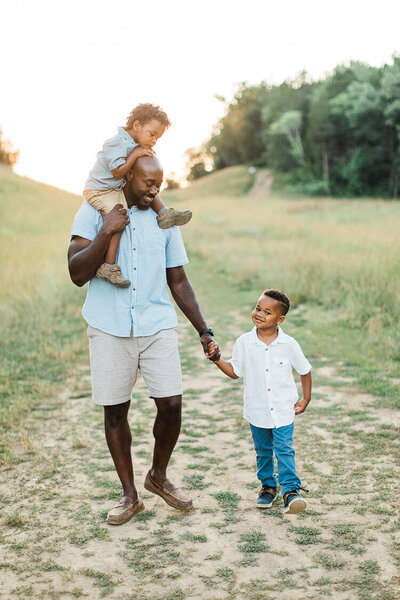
104,201
285,455
263,445
167,217
111,254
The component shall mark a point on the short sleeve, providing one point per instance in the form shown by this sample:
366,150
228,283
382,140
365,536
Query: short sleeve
175,250
299,361
86,223
237,358
115,153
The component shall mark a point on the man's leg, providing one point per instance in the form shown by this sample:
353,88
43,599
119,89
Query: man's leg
119,439
167,426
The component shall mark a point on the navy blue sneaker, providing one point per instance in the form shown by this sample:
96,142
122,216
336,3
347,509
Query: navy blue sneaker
266,497
294,503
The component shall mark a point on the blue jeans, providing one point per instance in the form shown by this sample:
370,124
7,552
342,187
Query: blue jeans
279,441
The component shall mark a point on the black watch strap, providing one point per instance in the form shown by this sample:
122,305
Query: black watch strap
208,330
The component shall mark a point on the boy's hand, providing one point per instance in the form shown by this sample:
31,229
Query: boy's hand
213,352
140,151
301,406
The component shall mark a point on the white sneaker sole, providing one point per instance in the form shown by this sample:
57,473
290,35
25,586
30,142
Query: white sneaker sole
296,506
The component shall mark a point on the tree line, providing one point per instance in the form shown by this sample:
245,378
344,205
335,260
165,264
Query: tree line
339,136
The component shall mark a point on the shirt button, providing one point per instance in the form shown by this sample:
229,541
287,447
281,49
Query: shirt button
133,307
134,268
269,389
272,409
266,349
266,369
135,249
134,289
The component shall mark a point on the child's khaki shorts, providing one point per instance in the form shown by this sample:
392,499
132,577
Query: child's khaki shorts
105,200
115,362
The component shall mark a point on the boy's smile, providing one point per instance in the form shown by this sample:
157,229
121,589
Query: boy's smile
267,315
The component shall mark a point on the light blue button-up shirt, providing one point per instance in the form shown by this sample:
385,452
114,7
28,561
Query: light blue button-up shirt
145,252
114,153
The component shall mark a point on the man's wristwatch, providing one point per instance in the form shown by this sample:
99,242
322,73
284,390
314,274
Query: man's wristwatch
208,330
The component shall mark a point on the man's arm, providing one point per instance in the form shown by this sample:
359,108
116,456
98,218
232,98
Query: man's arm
85,256
183,294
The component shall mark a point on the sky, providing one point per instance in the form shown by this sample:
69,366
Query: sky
72,70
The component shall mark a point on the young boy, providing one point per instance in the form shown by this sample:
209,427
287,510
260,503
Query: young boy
103,189
264,357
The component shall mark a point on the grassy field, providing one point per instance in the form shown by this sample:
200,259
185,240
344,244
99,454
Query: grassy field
338,261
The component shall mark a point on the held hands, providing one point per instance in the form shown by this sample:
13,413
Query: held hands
116,220
301,406
212,352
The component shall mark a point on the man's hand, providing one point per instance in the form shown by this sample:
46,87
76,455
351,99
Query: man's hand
207,340
301,406
213,353
116,220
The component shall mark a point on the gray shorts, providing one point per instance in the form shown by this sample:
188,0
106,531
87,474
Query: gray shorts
115,362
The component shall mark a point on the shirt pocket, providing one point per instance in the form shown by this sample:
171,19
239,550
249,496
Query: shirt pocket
281,367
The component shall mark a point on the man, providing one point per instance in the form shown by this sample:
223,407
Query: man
135,328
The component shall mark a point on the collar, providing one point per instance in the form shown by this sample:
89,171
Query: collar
123,133
281,338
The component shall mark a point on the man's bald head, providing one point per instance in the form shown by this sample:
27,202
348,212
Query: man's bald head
143,181
147,164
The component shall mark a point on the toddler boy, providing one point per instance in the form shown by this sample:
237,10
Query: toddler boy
264,357
103,189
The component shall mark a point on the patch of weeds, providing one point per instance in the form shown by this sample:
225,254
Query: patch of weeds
146,515
307,535
176,594
102,580
194,450
174,518
195,482
370,567
329,561
198,467
77,538
253,542
216,556
248,560
209,511
192,433
98,532
191,537
15,520
349,538
227,499
227,574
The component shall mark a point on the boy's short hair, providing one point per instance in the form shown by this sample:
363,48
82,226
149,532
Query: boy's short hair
280,297
146,112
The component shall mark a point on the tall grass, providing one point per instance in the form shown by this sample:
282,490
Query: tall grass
337,259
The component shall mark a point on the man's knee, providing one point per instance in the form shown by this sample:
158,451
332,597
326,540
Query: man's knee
116,414
169,407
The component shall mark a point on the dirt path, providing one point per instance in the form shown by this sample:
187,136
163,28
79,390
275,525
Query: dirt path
55,543
262,184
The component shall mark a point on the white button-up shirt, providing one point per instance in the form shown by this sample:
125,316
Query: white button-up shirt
270,392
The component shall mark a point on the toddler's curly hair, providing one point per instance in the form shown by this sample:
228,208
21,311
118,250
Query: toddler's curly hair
280,297
146,112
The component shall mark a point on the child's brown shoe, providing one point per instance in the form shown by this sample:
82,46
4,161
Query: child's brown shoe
113,275
171,217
